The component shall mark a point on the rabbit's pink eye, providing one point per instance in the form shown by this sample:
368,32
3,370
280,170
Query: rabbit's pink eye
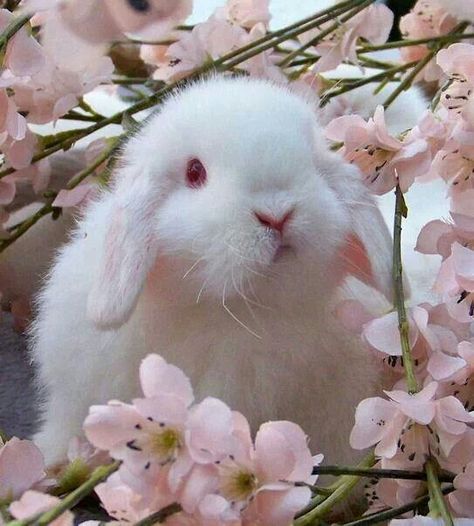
196,174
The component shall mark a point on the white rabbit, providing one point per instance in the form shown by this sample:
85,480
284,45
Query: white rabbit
227,230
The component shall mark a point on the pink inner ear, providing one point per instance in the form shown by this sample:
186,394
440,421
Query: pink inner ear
355,260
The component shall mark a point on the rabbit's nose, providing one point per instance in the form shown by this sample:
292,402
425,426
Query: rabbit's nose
275,223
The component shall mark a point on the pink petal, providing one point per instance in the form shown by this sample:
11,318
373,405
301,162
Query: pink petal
24,56
429,236
108,426
209,431
33,503
21,466
441,366
282,453
158,377
278,508
372,419
383,334
74,197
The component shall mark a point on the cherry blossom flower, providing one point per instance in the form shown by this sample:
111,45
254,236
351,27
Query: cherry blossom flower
426,20
455,282
21,467
207,41
457,63
246,13
383,159
372,24
399,422
32,503
122,503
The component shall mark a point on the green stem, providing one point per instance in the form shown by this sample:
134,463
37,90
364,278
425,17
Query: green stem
386,515
395,44
160,516
364,81
313,23
13,27
99,475
320,506
378,473
399,293
436,492
314,41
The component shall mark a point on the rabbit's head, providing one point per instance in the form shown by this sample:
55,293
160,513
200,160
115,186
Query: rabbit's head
233,180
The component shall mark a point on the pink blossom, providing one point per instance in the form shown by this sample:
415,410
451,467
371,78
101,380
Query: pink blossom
383,159
373,24
246,13
209,40
122,503
32,503
21,467
457,63
455,282
23,55
259,480
385,422
12,124
426,20
76,196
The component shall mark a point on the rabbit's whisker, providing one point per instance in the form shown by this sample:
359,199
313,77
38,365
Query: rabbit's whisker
193,266
235,318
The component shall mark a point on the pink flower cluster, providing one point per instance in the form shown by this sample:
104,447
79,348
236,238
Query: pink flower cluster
426,20
199,455
437,421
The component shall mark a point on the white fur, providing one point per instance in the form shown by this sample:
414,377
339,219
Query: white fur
155,266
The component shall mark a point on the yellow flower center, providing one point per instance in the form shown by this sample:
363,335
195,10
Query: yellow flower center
239,486
165,443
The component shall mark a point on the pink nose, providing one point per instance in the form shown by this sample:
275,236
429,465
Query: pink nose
275,223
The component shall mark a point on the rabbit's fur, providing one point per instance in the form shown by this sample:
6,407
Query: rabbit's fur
155,266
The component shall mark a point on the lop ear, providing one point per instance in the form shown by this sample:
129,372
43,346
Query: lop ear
129,249
367,249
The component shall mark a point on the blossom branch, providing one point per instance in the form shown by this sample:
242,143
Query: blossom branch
99,475
160,516
379,473
13,27
321,505
436,493
324,33
381,517
401,211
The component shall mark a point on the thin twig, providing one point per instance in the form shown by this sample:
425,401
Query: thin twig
386,515
436,491
289,58
379,473
160,516
13,27
399,293
99,475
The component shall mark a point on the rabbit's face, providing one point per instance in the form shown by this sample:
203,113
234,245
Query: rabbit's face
245,199
229,185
